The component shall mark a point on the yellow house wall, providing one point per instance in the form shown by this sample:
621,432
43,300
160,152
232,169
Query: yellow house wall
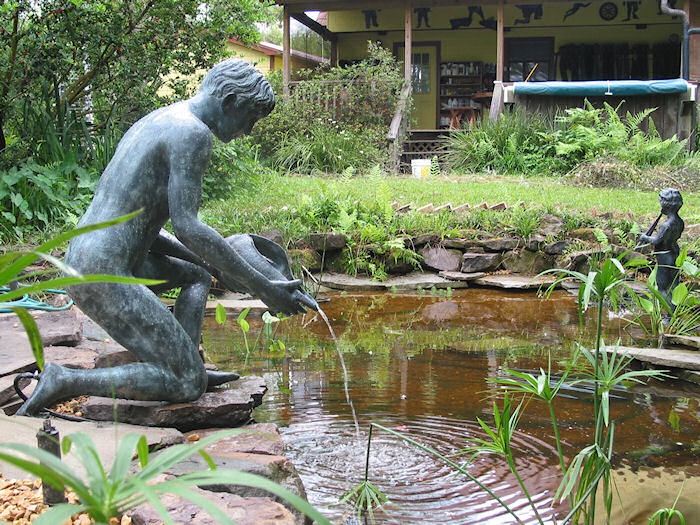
258,59
478,43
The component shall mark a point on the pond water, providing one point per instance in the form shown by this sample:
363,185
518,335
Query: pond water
421,364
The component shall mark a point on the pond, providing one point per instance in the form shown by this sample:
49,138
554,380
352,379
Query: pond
420,363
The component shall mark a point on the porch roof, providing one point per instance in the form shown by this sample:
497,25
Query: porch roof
351,5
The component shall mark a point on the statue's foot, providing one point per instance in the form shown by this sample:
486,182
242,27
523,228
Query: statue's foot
44,393
216,378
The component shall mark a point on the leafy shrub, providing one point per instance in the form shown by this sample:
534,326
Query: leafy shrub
35,197
588,133
328,147
514,143
596,145
233,167
344,109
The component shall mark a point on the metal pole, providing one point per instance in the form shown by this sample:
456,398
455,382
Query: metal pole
49,440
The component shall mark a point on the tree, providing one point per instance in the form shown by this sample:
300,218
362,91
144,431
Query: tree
107,57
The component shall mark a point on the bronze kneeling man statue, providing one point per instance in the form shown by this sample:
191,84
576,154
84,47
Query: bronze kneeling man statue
158,167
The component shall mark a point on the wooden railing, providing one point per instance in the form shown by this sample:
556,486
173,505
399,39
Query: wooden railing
335,98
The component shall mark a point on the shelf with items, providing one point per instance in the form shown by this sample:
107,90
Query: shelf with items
458,82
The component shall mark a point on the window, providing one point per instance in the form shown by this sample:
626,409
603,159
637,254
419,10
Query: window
420,72
529,55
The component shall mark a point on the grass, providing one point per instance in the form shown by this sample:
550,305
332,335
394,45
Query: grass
242,210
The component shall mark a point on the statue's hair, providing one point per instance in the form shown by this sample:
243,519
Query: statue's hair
234,76
671,196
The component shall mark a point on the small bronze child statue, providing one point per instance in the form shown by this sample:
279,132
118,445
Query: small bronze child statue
665,242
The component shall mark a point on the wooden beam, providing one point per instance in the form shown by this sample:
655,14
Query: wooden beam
408,40
286,52
352,5
317,28
500,44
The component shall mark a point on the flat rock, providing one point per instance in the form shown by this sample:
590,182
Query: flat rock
426,238
461,244
442,259
106,436
71,357
662,357
556,248
514,282
276,468
56,328
412,281
480,262
551,225
683,340
111,354
235,306
459,276
328,241
527,262
15,353
243,511
257,438
500,244
223,408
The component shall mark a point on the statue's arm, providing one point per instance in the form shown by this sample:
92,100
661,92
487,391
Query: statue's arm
188,162
659,237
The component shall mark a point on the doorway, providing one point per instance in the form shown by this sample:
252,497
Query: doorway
424,73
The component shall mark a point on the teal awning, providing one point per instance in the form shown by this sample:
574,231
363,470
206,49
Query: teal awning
600,88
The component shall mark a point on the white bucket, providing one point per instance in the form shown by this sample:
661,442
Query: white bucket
420,168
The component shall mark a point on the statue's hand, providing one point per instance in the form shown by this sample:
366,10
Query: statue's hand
285,297
644,238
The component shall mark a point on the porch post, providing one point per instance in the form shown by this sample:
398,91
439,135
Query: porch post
334,53
500,44
286,52
497,97
408,40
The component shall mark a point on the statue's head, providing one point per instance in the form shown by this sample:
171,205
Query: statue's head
670,200
241,93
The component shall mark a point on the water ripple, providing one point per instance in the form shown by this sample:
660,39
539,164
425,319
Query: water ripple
421,488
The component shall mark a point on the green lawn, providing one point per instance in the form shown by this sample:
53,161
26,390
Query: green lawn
243,210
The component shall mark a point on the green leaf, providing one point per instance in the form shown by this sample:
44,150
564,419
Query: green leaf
680,293
220,313
142,450
58,514
675,420
33,334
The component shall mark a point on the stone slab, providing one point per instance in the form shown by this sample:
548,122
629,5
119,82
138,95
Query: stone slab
514,282
236,306
683,340
412,281
690,375
105,435
459,276
257,438
223,408
662,357
15,353
243,511
71,357
56,328
276,468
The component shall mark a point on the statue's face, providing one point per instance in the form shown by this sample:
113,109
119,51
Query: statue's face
236,119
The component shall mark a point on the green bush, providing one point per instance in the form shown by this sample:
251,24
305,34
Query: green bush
328,147
234,166
595,145
335,118
36,198
514,143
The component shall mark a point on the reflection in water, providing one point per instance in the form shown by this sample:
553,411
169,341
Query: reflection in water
422,365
